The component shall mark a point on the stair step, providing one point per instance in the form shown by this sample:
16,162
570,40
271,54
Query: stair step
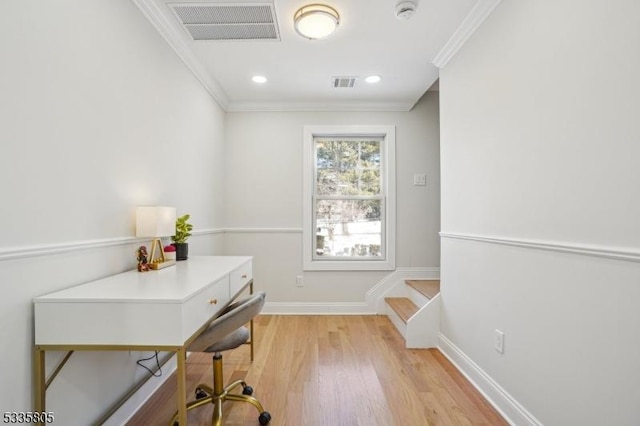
402,306
429,288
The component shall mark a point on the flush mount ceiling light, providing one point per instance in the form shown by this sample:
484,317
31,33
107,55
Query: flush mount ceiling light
316,21
259,79
373,79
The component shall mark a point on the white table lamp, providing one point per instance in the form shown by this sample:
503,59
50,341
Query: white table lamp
156,222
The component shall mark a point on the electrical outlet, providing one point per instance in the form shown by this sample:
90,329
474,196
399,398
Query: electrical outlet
420,179
499,341
299,281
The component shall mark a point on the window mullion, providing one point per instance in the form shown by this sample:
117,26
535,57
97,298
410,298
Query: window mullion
348,197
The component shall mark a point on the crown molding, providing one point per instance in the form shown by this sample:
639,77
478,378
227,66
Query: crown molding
474,19
324,106
175,38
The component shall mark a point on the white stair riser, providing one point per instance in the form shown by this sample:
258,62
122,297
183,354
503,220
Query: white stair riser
416,297
423,327
396,321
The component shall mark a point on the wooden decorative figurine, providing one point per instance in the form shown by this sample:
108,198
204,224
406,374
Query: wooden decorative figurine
143,264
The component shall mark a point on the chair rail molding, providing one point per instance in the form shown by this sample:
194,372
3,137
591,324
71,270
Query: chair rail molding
20,252
58,248
616,253
262,230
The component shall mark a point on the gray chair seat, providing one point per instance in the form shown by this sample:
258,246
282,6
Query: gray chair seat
226,332
230,341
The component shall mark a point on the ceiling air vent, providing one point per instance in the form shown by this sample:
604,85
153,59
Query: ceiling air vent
344,81
213,21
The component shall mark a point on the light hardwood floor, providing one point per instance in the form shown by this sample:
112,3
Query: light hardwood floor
333,371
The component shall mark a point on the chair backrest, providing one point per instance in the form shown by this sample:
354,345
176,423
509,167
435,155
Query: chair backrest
232,318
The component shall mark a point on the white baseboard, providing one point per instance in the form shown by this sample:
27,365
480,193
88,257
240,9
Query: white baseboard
131,406
317,308
374,299
512,411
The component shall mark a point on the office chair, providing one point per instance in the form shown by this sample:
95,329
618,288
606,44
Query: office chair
226,332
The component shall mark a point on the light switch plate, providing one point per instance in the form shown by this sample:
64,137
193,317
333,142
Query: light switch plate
420,179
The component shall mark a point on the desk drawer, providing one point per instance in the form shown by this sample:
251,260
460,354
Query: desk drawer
204,305
241,276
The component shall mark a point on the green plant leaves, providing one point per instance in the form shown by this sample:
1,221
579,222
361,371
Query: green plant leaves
183,229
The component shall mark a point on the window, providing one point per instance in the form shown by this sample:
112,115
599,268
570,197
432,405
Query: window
349,198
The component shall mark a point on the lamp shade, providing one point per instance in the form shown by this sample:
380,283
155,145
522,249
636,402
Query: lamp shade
155,221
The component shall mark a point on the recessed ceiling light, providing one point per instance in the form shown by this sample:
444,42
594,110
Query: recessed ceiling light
373,79
259,79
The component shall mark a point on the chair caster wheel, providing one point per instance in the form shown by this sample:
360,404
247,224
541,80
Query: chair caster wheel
264,418
200,394
247,390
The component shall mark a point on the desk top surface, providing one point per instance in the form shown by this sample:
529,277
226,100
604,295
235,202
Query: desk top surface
174,284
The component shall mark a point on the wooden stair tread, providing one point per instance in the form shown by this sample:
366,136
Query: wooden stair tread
402,306
429,288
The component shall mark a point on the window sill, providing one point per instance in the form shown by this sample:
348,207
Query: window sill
349,265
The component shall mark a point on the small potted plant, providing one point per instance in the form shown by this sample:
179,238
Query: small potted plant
183,232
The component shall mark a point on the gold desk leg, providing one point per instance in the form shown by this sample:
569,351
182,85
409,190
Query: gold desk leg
39,381
251,326
181,376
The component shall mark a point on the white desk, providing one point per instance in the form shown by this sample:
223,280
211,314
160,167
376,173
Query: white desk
162,310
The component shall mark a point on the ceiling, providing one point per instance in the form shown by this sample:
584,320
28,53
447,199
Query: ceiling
370,39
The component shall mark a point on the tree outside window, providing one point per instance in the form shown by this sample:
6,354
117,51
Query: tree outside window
349,182
348,199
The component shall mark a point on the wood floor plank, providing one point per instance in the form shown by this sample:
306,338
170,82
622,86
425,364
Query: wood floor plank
333,371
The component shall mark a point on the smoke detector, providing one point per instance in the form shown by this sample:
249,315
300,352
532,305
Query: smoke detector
405,9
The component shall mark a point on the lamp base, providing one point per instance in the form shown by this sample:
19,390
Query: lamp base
158,262
162,265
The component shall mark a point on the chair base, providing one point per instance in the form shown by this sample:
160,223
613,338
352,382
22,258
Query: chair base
207,395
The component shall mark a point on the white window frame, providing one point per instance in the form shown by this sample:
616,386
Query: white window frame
388,187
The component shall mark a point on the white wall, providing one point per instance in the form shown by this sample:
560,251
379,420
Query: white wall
539,151
264,198
97,115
